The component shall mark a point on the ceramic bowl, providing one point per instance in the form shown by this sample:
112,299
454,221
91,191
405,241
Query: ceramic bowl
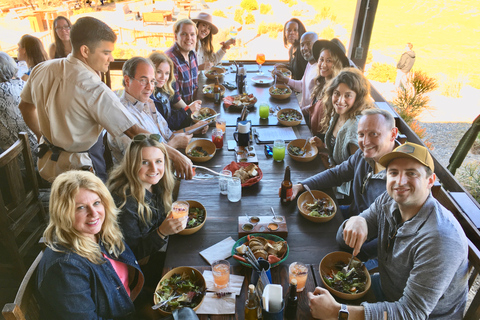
311,150
214,72
281,96
188,231
305,198
267,236
206,145
203,111
208,90
289,123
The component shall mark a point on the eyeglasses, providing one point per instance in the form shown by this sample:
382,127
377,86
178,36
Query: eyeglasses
391,239
144,82
142,136
63,28
365,181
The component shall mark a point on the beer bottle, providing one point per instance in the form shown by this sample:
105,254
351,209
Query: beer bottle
217,92
292,301
252,305
286,190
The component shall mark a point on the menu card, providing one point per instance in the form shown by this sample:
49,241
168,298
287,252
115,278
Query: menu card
212,304
219,251
268,135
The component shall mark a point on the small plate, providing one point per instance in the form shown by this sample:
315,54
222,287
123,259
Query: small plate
264,80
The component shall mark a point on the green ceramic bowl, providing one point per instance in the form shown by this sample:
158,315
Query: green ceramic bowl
267,236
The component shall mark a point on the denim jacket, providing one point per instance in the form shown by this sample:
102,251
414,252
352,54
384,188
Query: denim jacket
71,287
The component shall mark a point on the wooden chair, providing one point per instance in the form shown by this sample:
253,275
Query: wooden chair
22,217
25,305
473,310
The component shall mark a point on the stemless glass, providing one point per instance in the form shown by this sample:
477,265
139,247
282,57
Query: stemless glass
221,124
180,209
221,273
260,60
299,271
223,181
234,189
264,111
278,150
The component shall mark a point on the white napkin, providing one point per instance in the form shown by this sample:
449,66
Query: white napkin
219,251
224,305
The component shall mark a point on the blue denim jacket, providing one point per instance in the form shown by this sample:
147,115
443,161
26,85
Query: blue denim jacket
72,287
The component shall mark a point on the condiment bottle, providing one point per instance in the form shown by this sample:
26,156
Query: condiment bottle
217,92
292,301
252,305
286,189
241,80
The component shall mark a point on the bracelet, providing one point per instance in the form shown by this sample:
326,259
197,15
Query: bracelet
186,108
161,234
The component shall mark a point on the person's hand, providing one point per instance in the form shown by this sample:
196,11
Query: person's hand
183,166
355,233
296,189
317,142
280,77
198,124
180,140
227,44
322,304
171,226
195,105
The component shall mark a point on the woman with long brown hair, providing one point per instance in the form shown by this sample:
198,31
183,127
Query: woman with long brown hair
62,46
31,50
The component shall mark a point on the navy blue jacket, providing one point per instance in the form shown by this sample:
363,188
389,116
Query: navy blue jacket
71,287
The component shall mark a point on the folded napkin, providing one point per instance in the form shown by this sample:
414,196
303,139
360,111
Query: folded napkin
220,305
219,251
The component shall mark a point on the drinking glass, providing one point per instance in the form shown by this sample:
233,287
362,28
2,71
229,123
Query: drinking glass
233,33
260,61
217,138
223,181
221,124
234,189
264,111
180,209
278,150
299,271
221,273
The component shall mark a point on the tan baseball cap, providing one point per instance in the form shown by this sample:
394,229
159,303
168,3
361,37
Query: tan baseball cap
409,150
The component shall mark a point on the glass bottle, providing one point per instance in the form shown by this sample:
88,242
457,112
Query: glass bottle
286,189
252,305
292,301
217,92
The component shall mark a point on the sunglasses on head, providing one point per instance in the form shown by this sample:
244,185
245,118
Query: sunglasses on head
142,136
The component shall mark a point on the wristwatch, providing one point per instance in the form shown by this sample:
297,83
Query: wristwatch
343,313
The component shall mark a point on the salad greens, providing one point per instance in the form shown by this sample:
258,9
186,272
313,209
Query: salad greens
196,216
293,115
352,282
185,285
320,208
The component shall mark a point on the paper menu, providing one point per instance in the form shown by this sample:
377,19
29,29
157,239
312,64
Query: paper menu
271,133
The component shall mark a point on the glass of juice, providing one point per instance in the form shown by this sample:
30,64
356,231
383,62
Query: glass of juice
264,111
217,138
221,124
221,273
179,209
299,271
278,150
260,60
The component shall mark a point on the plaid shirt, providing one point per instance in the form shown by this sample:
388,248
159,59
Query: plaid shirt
186,75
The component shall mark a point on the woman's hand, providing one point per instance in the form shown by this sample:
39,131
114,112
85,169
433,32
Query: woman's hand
172,226
198,124
195,105
227,44
317,142
322,304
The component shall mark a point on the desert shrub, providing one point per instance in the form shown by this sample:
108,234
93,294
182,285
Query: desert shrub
210,0
238,16
421,132
369,57
83,10
451,89
325,13
265,8
297,13
469,177
250,19
249,5
474,80
271,28
327,33
382,72
290,3
219,13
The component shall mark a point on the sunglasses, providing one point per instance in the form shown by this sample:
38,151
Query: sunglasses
142,136
268,151
365,181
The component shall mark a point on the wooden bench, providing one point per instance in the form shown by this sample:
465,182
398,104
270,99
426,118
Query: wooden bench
154,17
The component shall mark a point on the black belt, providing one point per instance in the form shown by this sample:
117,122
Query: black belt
47,145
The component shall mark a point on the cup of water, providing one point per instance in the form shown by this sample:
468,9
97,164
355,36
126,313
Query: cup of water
223,181
234,189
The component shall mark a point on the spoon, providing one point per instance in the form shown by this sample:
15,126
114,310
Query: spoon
310,191
275,218
302,150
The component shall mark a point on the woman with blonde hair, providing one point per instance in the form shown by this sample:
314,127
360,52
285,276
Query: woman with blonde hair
142,187
31,50
87,271
62,46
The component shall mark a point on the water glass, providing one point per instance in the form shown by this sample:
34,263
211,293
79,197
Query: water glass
278,150
234,189
221,124
221,273
223,181
299,271
264,111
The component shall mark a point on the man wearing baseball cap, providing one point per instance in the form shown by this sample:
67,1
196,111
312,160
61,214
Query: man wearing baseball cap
422,249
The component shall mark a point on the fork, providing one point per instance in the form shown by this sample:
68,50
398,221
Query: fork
160,304
347,267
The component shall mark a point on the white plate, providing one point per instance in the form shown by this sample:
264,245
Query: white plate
262,80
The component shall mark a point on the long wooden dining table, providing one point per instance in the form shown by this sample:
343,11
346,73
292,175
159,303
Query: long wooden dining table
308,242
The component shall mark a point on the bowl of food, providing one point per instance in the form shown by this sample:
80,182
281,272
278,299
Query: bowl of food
249,173
289,117
322,210
295,151
239,101
197,215
200,150
348,286
203,114
187,283
214,73
285,72
280,91
270,247
208,90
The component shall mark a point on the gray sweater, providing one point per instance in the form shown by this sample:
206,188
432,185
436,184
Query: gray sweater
424,271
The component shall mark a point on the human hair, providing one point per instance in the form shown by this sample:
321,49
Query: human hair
60,229
8,67
130,66
178,25
158,58
59,46
207,43
410,46
124,178
301,31
388,118
317,92
90,31
357,82
34,50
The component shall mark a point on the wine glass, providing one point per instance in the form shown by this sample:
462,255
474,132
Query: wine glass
233,33
260,61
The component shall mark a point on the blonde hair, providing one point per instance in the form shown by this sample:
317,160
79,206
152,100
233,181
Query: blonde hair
320,82
124,177
357,82
158,58
60,229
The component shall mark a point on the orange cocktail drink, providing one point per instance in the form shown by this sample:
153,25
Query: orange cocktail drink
179,209
221,273
299,271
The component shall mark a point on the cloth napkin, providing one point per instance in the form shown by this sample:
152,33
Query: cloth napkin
219,251
223,305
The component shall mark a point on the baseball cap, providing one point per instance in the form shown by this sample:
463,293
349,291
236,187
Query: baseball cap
409,150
